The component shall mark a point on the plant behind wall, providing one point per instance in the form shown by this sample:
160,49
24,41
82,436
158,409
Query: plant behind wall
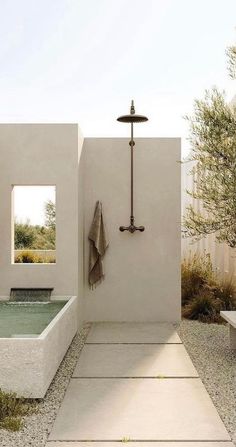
203,295
34,224
213,141
213,144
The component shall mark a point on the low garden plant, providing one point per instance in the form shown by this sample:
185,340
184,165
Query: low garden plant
29,257
12,409
196,274
203,294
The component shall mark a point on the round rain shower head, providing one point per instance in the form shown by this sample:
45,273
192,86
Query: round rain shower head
133,117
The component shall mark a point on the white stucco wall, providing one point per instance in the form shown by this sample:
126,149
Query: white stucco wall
142,280
143,269
43,154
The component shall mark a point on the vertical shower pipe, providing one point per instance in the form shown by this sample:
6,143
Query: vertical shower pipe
132,118
132,171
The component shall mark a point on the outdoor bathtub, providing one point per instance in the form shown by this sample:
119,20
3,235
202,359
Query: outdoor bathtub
30,361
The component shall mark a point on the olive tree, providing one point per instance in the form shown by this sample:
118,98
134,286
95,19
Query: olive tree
213,141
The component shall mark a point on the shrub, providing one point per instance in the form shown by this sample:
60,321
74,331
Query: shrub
204,307
11,411
26,257
29,257
36,237
196,273
225,292
51,260
25,235
203,296
11,423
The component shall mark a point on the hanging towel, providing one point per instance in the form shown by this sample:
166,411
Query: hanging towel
98,245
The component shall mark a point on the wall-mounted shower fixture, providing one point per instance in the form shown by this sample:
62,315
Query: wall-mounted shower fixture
132,118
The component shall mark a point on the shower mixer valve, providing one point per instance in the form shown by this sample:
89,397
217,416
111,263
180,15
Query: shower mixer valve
132,118
132,228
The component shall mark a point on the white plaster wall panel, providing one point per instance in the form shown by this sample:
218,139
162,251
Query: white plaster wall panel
42,154
142,270
142,280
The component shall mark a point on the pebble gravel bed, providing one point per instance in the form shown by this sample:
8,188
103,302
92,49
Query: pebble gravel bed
208,347
38,425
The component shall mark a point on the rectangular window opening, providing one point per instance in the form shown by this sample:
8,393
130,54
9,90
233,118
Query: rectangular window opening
34,224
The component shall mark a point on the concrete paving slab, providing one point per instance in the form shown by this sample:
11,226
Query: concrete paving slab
138,409
138,444
133,333
134,361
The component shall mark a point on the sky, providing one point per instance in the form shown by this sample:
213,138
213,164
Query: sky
29,203
84,60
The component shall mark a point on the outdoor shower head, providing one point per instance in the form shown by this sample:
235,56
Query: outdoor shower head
132,118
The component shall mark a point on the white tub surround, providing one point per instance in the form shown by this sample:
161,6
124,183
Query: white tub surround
28,364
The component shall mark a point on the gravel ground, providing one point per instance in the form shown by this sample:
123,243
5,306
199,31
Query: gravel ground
208,347
38,426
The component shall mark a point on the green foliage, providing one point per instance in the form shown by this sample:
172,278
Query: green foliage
50,215
37,237
196,273
25,235
11,411
11,423
51,238
213,141
225,292
50,223
45,238
29,257
231,56
34,237
203,295
50,260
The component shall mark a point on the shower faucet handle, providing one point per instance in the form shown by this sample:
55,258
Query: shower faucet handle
132,228
141,228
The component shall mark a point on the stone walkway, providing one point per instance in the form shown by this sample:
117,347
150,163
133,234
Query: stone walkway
135,382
